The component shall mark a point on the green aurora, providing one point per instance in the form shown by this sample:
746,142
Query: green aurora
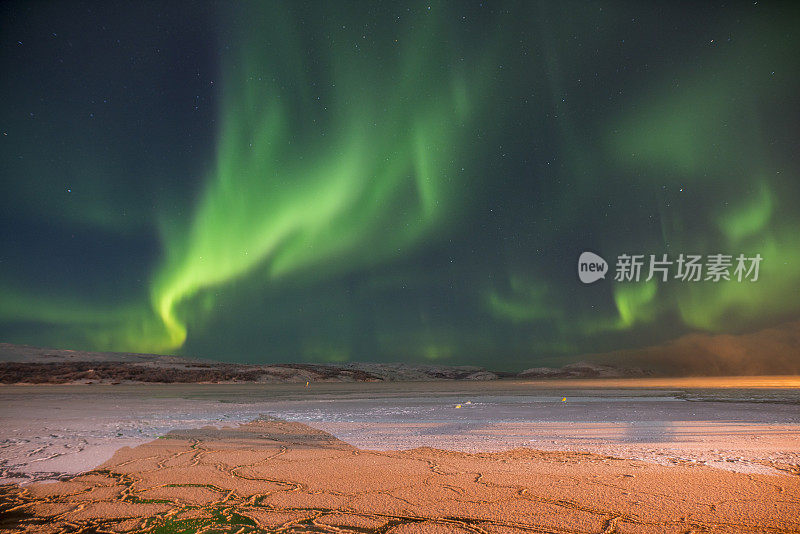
381,181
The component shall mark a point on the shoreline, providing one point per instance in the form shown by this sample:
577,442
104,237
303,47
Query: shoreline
703,382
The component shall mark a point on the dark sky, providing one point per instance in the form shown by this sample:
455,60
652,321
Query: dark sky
385,181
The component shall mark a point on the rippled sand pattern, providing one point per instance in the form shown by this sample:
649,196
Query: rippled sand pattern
275,476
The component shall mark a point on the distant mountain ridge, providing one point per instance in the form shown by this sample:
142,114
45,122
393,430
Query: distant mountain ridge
22,364
771,351
584,370
26,364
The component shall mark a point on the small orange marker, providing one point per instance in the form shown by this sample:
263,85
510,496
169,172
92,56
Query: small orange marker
564,399
306,383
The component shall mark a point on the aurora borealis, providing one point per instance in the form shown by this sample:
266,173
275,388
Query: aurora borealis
389,181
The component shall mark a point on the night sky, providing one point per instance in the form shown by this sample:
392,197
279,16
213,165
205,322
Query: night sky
385,181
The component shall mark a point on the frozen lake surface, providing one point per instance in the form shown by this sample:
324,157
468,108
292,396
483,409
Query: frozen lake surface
51,431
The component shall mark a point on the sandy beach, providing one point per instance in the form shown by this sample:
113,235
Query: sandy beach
288,477
403,457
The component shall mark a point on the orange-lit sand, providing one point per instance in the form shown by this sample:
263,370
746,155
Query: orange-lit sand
288,477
